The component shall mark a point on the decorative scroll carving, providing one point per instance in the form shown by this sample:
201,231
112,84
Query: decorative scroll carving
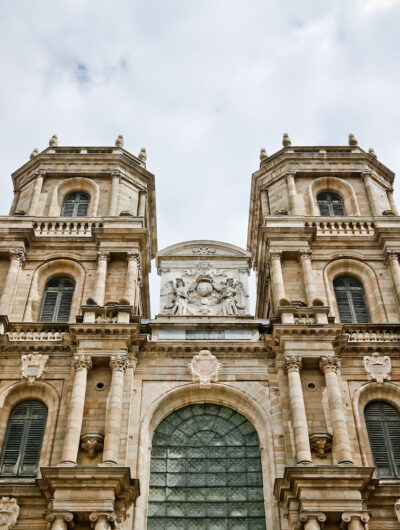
347,517
392,255
119,362
103,256
304,253
107,516
203,251
275,253
204,368
9,511
319,516
329,363
82,362
68,517
92,443
378,368
33,365
321,443
292,363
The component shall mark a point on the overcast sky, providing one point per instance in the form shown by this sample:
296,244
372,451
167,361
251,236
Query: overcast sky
203,85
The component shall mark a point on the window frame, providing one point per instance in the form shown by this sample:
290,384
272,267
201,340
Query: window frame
59,295
76,203
333,199
350,300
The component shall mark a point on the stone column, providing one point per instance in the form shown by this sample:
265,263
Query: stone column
355,521
17,259
17,194
264,203
392,259
103,258
132,277
116,175
60,520
102,520
118,364
141,211
278,288
309,282
311,520
37,189
329,365
81,363
369,186
393,206
292,366
292,192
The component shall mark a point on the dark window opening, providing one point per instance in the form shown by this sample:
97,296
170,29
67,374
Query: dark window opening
76,204
330,204
57,300
351,301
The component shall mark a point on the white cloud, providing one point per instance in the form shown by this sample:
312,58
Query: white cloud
369,7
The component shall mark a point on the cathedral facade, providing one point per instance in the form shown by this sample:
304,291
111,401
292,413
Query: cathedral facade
204,417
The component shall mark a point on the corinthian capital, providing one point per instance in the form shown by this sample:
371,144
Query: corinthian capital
119,363
304,253
82,362
392,255
329,363
133,255
292,363
17,254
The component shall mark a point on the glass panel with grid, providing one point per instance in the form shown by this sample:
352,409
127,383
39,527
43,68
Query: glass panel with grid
206,471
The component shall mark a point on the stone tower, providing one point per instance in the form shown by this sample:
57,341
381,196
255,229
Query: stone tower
205,416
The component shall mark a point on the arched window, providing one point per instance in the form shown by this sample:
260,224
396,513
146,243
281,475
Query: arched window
57,300
205,471
23,441
330,204
350,298
383,426
76,204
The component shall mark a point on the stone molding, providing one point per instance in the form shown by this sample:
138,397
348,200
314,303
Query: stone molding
9,512
292,363
377,368
204,368
329,363
119,362
33,366
82,362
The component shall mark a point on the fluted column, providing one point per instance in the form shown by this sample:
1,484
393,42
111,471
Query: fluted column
369,186
393,206
292,366
141,211
115,179
312,520
329,365
37,189
17,259
81,363
392,259
102,520
132,277
103,259
292,192
118,364
309,283
355,521
278,289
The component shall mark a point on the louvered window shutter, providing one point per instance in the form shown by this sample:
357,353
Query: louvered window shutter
383,426
350,299
57,300
330,204
76,204
24,437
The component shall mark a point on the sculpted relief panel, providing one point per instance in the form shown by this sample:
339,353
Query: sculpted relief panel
209,287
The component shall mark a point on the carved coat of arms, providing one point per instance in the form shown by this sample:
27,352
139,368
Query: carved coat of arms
9,511
33,365
378,368
204,368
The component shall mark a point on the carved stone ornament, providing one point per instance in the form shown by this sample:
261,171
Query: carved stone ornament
9,511
347,517
92,443
119,362
82,362
292,363
392,255
329,363
319,516
321,443
204,368
397,509
203,251
17,254
33,365
106,517
377,368
68,517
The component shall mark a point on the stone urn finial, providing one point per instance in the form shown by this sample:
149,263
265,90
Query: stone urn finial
119,142
53,142
34,153
263,154
286,141
142,155
352,139
371,151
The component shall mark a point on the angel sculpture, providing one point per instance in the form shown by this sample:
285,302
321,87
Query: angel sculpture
378,368
179,304
227,298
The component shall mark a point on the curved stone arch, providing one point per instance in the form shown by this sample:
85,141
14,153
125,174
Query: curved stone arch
75,184
44,392
219,394
363,272
45,272
366,393
341,187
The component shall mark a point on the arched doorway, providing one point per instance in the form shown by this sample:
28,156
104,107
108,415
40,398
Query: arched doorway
206,471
